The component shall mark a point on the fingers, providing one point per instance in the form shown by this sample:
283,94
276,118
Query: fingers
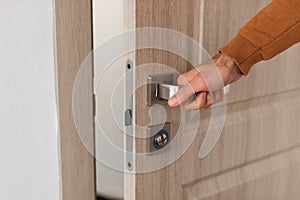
187,76
218,96
195,85
190,75
196,80
205,100
198,103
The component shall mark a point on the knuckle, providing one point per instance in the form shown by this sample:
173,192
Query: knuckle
201,100
181,80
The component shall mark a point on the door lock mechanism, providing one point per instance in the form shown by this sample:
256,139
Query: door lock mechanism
159,138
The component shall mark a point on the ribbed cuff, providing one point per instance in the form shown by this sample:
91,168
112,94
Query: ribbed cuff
243,52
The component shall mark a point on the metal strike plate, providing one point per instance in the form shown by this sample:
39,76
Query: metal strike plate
161,87
159,138
128,115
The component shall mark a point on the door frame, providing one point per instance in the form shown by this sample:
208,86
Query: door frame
73,34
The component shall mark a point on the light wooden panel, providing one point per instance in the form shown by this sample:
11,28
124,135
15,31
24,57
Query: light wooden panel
222,20
280,173
262,117
182,16
73,32
254,130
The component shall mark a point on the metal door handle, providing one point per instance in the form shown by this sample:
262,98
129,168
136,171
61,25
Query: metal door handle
161,87
166,91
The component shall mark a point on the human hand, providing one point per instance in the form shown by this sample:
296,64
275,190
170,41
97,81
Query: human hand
211,76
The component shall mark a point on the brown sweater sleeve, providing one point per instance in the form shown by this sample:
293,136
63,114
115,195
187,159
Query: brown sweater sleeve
271,31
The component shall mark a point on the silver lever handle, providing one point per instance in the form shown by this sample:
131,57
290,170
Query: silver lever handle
166,91
161,87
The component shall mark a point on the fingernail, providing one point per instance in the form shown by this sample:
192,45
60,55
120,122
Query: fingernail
173,101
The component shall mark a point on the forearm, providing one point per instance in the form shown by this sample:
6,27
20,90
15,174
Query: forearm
271,31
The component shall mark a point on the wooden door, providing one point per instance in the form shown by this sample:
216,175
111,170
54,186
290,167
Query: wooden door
257,155
73,44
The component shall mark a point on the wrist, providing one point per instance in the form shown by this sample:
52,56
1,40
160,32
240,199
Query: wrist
232,72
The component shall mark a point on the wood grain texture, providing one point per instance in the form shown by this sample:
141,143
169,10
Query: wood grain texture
222,20
254,129
275,177
73,34
262,114
182,16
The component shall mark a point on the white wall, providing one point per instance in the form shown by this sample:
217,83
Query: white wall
29,166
